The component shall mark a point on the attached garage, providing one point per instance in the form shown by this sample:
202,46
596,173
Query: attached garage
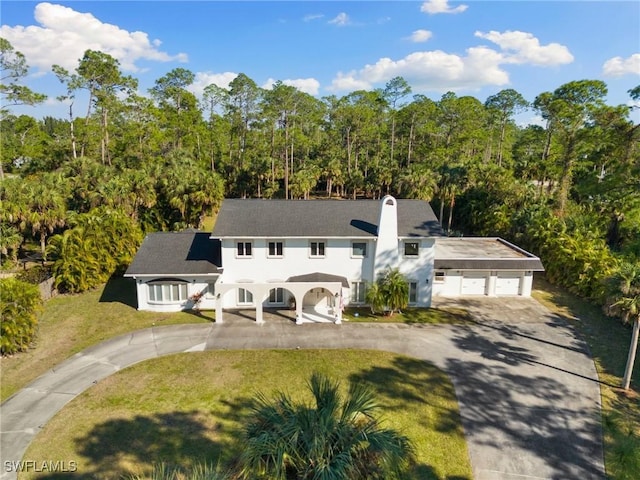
474,283
508,283
482,266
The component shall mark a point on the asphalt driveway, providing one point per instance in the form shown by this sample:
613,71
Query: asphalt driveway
526,384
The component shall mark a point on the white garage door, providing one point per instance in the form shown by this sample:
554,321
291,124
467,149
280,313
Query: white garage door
474,283
508,283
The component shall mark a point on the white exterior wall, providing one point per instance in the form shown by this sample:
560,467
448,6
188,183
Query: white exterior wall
419,269
296,260
195,285
527,284
451,286
338,260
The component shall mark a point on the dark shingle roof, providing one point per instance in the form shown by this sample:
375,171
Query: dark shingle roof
176,253
320,218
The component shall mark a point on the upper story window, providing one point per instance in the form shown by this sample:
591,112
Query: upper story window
439,277
359,249
275,249
316,249
243,249
411,249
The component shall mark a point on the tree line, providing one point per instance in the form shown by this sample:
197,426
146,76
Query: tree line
568,189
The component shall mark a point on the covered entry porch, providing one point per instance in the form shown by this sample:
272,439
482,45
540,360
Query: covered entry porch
316,297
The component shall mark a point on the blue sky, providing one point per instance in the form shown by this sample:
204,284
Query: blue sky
332,48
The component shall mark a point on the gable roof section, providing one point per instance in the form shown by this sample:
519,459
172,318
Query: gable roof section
176,253
255,218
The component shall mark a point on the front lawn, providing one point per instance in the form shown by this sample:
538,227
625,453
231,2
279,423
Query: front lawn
608,340
71,323
190,408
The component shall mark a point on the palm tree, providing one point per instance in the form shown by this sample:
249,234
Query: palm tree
374,297
98,244
624,288
394,289
44,199
201,471
10,241
334,438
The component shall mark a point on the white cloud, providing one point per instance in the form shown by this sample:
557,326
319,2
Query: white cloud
312,16
204,79
478,67
531,120
348,82
306,85
618,66
433,7
421,36
222,80
430,70
523,47
341,20
64,34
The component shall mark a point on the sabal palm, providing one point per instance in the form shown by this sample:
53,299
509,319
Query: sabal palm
334,438
200,471
38,204
10,240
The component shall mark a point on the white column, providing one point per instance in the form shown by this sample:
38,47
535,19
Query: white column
338,310
491,284
219,309
259,318
298,309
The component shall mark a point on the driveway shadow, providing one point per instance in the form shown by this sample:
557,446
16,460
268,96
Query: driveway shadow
508,403
400,385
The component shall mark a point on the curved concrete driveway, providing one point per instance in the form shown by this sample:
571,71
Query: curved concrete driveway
527,389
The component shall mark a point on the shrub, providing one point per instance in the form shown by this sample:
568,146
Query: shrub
20,304
390,291
35,275
98,244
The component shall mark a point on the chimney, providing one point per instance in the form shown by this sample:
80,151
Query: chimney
387,241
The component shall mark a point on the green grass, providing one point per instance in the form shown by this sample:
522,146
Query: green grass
609,341
190,408
409,316
71,323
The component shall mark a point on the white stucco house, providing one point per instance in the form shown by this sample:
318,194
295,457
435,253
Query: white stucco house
318,256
